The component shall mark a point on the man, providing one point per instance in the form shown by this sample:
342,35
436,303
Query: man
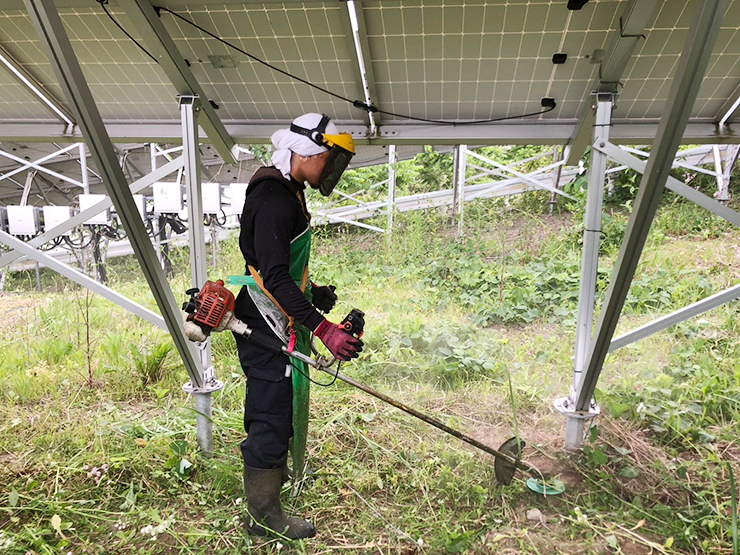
278,299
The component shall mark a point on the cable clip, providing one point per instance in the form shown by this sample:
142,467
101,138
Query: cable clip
369,108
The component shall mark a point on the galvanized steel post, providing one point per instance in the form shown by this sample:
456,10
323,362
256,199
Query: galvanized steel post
392,159
189,109
688,77
589,271
459,198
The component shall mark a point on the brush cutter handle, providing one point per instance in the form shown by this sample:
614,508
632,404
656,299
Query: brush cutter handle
272,344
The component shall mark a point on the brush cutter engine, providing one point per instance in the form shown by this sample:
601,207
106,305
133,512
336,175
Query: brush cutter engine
210,309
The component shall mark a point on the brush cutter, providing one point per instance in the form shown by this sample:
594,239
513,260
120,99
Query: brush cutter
212,309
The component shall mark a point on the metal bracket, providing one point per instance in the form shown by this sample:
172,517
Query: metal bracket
185,99
626,35
210,384
566,406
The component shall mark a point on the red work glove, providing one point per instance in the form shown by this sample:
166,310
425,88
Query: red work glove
342,345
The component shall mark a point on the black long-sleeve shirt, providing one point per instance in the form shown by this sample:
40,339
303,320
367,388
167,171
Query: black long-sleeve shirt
274,216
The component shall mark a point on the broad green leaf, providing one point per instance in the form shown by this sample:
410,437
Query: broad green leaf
617,409
630,472
179,447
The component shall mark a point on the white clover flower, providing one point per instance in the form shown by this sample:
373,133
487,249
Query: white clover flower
154,531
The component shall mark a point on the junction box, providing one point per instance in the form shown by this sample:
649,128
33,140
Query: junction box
167,198
56,215
211,193
23,220
90,200
238,196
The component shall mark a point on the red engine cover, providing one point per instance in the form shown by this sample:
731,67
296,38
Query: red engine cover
212,303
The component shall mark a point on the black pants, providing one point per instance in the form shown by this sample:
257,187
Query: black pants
268,421
268,406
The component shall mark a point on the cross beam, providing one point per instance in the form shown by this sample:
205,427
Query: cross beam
163,48
389,133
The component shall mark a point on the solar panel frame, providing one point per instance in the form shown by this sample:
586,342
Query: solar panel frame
451,60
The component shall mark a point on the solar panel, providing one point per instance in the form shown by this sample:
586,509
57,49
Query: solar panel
307,40
451,60
647,78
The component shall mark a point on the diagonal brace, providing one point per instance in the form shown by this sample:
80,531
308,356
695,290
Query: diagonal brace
524,177
94,210
155,35
54,40
697,197
83,280
699,307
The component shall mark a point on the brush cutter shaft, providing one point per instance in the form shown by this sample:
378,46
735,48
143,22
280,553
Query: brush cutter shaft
276,346
434,422
272,344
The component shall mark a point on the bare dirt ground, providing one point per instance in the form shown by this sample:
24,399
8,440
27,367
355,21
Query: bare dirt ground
15,309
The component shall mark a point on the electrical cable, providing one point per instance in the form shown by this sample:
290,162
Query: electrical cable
81,245
259,60
103,4
369,108
308,377
51,244
221,223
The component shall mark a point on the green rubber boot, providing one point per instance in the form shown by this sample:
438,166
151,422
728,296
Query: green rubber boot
262,490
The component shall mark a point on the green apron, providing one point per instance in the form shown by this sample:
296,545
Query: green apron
300,252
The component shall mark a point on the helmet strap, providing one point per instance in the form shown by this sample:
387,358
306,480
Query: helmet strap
316,135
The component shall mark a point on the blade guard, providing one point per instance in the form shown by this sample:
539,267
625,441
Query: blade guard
505,470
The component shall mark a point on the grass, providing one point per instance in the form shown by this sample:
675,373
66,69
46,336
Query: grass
97,439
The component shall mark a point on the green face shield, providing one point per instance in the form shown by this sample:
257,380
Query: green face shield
341,150
336,163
